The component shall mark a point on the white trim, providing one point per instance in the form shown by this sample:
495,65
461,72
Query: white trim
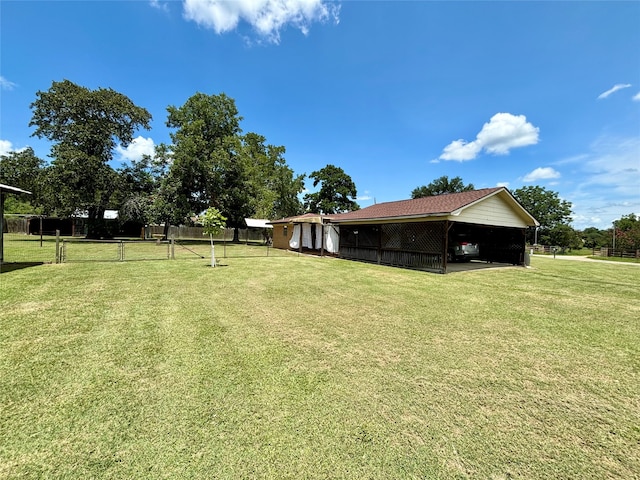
9,188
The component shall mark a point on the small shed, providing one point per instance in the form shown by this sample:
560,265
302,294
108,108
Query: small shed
310,232
5,190
416,233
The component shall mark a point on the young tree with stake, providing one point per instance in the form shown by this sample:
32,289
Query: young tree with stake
214,223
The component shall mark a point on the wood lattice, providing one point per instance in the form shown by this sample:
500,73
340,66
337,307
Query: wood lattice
413,237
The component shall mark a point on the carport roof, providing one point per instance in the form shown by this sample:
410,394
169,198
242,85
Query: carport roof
10,189
257,223
435,206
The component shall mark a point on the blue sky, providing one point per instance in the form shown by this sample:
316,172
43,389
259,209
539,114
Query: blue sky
395,93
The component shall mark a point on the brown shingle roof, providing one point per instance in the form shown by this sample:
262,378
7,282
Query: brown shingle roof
427,206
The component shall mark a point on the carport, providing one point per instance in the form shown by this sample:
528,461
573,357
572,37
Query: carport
417,233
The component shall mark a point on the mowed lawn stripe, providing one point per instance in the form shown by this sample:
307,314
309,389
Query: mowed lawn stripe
296,366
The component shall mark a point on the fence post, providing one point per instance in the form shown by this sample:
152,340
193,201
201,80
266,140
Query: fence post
172,247
57,246
224,243
121,251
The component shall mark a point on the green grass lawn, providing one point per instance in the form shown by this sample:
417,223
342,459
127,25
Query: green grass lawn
302,367
616,259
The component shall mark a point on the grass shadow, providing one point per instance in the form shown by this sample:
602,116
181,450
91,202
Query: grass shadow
10,267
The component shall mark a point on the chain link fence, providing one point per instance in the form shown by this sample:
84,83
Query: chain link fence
34,249
22,248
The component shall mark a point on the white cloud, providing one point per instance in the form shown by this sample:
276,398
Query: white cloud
266,17
502,184
159,5
498,136
461,150
5,147
541,173
136,149
6,84
613,89
636,97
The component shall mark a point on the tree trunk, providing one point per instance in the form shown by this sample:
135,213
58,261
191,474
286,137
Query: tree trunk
96,224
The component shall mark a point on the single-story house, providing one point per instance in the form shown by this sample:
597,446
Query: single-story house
416,233
308,232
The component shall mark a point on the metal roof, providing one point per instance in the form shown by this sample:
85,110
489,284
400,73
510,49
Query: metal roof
10,189
257,223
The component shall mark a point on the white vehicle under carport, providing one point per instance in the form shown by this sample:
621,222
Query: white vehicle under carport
463,251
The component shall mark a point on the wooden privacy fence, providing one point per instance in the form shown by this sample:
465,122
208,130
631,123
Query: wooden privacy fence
196,233
610,252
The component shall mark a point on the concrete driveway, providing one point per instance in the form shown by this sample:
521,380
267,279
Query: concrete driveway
453,267
580,258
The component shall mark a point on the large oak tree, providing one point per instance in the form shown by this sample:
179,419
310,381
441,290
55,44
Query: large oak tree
84,126
548,208
213,165
337,192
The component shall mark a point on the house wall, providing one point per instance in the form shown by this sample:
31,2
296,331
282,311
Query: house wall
491,211
281,235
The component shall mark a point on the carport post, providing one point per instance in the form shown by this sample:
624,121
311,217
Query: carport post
447,227
379,253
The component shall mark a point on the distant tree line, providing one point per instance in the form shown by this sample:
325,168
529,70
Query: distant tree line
210,162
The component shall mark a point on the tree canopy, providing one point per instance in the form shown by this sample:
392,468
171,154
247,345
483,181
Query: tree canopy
85,126
546,207
22,169
211,163
337,192
594,237
441,185
627,232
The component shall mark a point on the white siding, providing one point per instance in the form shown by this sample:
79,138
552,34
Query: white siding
492,211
